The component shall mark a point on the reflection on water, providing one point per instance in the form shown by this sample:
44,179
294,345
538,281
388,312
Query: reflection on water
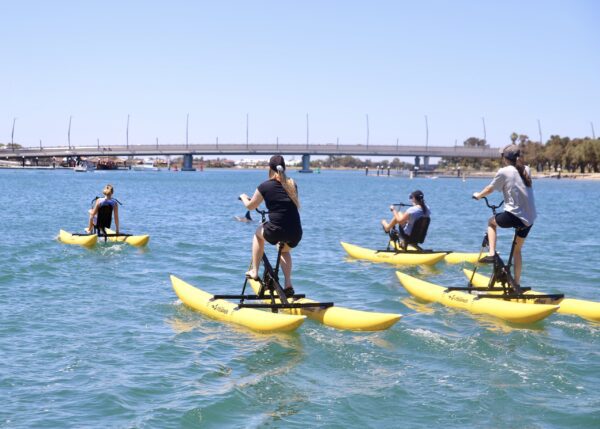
419,306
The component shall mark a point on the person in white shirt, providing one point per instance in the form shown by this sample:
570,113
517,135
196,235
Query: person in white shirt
514,181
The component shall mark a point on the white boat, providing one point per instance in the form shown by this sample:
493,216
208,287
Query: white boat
146,166
84,167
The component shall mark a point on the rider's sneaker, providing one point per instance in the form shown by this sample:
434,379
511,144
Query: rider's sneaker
289,292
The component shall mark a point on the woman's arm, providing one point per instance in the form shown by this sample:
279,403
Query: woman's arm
116,210
484,192
253,203
400,217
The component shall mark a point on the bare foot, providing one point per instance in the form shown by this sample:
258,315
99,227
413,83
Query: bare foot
252,274
386,226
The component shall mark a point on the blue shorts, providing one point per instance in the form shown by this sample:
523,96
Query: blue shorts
509,220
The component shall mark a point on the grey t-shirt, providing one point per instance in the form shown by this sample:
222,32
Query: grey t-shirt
518,198
414,214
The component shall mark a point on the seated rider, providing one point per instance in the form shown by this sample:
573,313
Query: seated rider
407,219
100,203
280,194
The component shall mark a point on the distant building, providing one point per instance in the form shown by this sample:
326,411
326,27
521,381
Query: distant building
251,163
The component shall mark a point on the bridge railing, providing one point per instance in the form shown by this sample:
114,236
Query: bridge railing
253,149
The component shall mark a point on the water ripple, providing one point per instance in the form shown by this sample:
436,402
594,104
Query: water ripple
97,338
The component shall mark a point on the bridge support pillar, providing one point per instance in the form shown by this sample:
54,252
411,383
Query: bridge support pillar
417,161
426,162
188,162
306,164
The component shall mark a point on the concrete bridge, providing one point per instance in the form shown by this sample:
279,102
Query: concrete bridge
305,150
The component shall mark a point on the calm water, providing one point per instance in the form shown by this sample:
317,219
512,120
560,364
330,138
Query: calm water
97,338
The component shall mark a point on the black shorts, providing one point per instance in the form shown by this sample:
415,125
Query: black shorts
509,220
275,234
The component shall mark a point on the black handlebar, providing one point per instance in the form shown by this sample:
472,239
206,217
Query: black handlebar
262,213
491,206
401,204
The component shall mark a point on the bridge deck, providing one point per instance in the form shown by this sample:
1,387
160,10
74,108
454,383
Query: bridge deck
253,149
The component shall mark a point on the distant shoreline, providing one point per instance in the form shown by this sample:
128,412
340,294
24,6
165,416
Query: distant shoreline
433,174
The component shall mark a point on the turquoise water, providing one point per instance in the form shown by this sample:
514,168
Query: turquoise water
97,338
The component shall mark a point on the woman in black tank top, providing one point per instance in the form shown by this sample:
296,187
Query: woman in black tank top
93,213
280,195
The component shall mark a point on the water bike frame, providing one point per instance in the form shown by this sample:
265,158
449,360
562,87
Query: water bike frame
402,243
270,288
102,234
501,273
103,221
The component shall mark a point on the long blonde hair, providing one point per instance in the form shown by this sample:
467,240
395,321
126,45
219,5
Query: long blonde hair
288,184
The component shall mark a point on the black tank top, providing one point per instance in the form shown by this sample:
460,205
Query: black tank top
282,210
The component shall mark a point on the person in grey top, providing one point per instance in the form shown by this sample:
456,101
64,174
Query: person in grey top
514,180
407,219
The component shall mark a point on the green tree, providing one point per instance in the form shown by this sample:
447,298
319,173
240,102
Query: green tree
554,150
596,146
573,156
590,154
474,142
533,152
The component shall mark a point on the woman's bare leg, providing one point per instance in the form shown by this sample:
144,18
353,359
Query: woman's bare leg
286,265
258,248
518,259
90,227
492,236
388,226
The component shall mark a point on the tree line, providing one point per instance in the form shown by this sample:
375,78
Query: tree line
556,154
347,161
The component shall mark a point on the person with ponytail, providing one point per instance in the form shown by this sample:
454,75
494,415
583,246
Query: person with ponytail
514,181
280,195
407,219
107,200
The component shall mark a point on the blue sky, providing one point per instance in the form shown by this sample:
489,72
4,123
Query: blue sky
512,62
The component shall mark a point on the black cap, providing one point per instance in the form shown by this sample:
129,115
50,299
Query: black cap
275,161
417,195
511,152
